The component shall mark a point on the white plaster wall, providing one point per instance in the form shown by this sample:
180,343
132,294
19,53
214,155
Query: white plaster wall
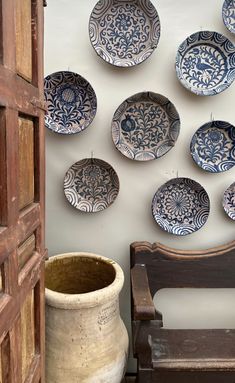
67,47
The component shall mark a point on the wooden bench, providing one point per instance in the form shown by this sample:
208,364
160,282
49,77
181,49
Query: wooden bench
172,355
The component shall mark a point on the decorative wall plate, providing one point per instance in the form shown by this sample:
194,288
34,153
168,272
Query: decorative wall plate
228,13
229,201
91,185
181,206
213,146
71,102
205,63
145,126
124,33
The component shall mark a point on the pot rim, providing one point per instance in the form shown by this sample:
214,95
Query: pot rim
90,299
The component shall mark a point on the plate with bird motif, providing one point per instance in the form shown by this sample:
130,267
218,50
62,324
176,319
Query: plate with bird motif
181,206
91,185
229,201
213,146
70,101
205,63
145,126
124,33
228,13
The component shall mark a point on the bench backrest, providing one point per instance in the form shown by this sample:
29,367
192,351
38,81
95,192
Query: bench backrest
171,268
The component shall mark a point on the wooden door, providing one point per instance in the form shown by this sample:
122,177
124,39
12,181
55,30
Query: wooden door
22,250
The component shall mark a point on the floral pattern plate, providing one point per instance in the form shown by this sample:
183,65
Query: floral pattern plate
91,185
124,33
228,13
181,206
205,63
145,126
71,102
229,201
213,146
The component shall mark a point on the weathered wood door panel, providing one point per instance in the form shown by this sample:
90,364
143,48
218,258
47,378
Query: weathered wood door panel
22,249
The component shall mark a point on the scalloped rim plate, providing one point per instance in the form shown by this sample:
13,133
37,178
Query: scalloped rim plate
126,33
228,201
181,206
71,102
213,146
145,126
205,63
228,14
91,185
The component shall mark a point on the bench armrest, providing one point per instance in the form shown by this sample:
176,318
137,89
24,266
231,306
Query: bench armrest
142,303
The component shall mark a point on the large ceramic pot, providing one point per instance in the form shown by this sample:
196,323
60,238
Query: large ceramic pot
86,340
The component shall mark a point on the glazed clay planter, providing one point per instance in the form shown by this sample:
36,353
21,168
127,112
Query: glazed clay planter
86,340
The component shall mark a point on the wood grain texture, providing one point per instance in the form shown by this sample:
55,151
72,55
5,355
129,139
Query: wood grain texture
143,306
189,377
28,222
26,250
3,173
24,39
27,334
0,367
166,267
15,351
7,37
26,97
26,162
22,237
180,356
192,349
5,360
1,279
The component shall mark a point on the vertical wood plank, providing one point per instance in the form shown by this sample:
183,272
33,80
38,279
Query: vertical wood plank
26,162
39,298
15,351
1,381
39,180
12,164
24,39
1,38
36,31
21,158
8,51
26,250
3,173
11,274
27,334
5,360
1,280
38,38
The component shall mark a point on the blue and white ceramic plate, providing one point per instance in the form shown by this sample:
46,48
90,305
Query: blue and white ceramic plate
213,146
228,13
71,102
124,32
181,206
229,201
205,63
145,126
91,185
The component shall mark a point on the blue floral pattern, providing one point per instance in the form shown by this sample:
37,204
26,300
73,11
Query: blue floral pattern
145,126
181,206
213,146
229,201
205,63
228,13
124,33
71,102
91,185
